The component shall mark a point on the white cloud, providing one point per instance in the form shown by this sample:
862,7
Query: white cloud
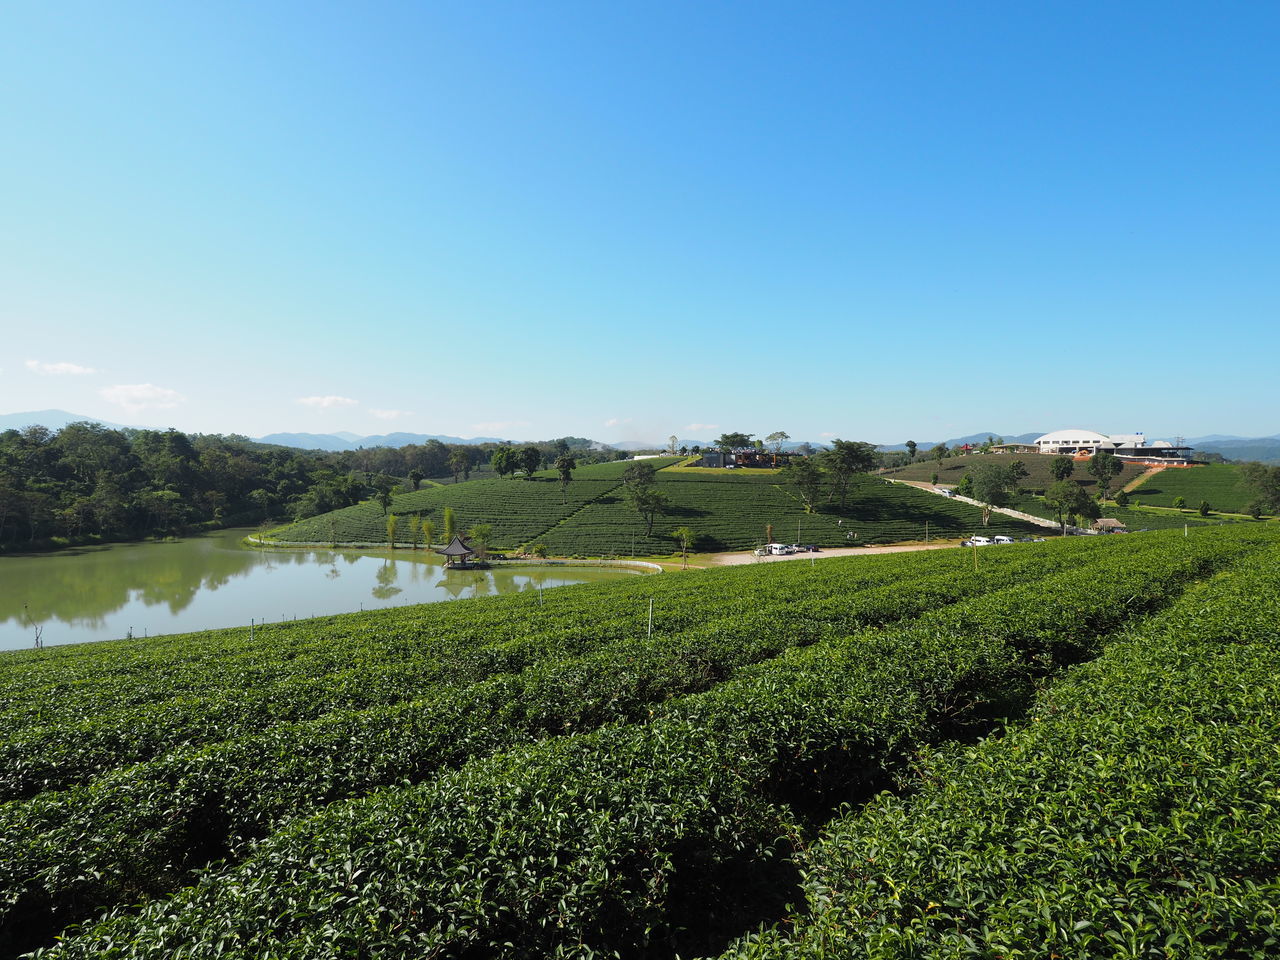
826,433
142,396
326,402
617,421
699,427
57,369
391,414
498,426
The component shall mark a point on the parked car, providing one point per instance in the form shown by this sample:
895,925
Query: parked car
779,549
976,542
803,548
1002,539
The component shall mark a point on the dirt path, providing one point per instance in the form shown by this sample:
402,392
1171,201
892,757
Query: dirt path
737,559
1141,478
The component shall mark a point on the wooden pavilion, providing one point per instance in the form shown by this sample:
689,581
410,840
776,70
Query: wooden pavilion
456,552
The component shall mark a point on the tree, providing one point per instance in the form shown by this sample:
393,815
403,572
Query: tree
459,462
807,477
939,452
428,532
530,459
911,449
450,525
1065,498
845,459
480,536
1264,481
684,539
638,474
1122,499
415,529
565,465
1062,467
504,461
991,483
638,481
728,442
415,478
1179,503
1106,467
776,440
671,443
649,502
1204,508
383,496
393,523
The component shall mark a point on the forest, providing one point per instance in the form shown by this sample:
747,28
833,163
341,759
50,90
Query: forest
87,483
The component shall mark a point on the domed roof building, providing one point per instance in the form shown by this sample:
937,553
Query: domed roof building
1073,441
1126,446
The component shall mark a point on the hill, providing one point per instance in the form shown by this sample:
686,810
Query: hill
951,470
1222,484
726,509
1078,724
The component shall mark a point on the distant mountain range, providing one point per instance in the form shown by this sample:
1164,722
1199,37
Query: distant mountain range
351,441
1265,449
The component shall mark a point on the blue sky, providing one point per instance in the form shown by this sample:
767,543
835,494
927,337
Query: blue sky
873,221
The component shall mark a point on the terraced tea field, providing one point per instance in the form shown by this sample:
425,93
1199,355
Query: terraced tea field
546,776
952,470
726,510
1219,483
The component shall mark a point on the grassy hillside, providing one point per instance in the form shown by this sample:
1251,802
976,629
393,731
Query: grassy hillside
726,509
1220,483
951,470
439,781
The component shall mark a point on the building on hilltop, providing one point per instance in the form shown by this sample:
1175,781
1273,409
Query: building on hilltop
1125,446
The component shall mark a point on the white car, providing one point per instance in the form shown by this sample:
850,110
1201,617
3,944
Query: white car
980,541
1002,539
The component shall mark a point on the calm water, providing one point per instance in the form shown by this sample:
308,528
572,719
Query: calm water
198,583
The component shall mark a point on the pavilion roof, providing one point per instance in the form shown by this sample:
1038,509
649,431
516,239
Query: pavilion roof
457,547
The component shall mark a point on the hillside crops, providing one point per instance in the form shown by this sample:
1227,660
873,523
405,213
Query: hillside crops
726,511
1039,478
536,772
1219,483
1133,814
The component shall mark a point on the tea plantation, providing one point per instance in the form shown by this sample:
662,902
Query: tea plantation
1219,483
726,511
1071,749
1039,478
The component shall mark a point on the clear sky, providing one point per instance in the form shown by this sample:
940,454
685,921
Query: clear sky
624,220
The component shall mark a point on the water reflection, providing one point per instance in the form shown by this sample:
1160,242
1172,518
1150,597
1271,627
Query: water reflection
213,581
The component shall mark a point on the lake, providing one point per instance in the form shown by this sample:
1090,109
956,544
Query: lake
199,583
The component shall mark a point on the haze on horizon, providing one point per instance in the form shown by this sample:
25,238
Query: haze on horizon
628,221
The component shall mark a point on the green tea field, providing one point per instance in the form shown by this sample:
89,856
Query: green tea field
1070,749
726,510
1219,483
951,470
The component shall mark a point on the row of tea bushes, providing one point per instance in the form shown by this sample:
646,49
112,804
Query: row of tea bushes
384,664
141,829
1135,814
622,839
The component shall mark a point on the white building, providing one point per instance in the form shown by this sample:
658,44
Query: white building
1126,446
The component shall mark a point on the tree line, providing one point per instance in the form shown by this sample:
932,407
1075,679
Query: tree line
86,482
